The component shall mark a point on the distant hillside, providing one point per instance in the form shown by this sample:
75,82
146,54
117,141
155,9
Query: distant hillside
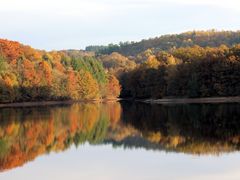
210,38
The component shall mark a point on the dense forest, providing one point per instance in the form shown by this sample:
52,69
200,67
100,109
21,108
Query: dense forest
191,64
211,38
186,72
27,74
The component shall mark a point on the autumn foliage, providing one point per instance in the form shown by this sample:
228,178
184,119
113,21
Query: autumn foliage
27,74
185,72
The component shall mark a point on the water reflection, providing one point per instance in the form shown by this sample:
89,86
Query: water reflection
194,129
26,133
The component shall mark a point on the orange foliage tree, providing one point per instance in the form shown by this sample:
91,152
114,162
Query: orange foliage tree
27,74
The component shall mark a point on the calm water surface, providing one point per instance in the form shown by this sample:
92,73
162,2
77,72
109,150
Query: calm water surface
120,141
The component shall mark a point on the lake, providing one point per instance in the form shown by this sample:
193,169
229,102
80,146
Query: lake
120,140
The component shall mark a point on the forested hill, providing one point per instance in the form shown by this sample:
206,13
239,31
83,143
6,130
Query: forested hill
192,64
186,72
27,74
210,38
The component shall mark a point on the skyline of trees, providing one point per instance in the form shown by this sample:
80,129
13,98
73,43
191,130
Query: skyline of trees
197,69
211,38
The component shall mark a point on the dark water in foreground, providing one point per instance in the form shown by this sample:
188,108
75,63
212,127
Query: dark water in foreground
120,141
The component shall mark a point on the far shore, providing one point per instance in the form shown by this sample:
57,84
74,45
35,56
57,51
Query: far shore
51,103
150,101
192,100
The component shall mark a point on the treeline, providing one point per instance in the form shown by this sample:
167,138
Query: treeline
192,64
185,72
210,38
27,74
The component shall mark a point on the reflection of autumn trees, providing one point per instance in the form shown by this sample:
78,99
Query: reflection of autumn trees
195,129
26,133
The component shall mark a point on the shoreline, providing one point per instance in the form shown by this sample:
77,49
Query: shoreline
51,103
210,100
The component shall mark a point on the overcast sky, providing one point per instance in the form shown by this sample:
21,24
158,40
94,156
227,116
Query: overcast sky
65,24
